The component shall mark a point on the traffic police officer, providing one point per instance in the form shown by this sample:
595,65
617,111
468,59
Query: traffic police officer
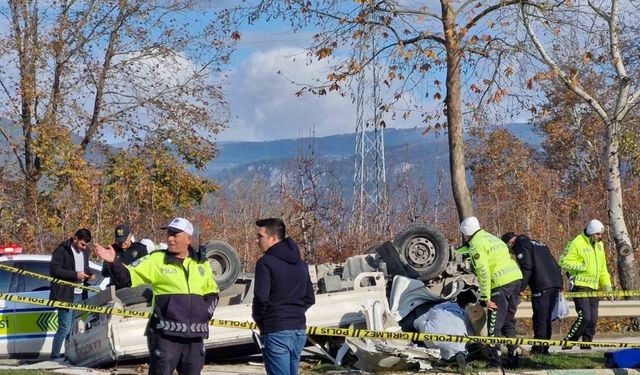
585,262
184,298
499,277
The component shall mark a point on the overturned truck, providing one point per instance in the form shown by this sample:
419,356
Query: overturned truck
344,292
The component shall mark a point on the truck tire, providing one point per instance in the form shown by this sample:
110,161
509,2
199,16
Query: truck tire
424,248
225,263
135,296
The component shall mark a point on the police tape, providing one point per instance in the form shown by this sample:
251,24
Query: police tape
603,294
47,278
598,294
326,331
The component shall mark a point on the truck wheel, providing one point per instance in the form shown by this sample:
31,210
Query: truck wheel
225,263
134,296
424,248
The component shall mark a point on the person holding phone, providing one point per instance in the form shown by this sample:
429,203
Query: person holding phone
70,262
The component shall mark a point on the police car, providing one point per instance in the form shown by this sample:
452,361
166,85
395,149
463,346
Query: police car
27,330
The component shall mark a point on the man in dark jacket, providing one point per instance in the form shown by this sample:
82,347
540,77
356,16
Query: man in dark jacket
283,293
541,273
127,250
70,262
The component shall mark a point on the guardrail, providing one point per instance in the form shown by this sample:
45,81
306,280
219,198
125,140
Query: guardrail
621,308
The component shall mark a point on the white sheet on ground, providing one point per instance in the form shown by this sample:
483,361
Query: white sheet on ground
447,318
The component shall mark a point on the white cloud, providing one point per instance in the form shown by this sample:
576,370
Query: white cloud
266,107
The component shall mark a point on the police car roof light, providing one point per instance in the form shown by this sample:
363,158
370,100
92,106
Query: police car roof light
11,249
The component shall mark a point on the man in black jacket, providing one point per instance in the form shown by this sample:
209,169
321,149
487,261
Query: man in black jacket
70,262
127,251
541,273
283,293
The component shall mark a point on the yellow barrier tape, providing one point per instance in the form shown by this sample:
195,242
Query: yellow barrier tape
603,294
599,294
47,278
328,331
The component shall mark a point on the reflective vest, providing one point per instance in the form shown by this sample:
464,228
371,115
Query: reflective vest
184,293
586,263
492,262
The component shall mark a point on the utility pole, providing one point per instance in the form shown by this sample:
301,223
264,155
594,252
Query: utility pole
369,179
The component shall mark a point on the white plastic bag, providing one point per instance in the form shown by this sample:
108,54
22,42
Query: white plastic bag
561,309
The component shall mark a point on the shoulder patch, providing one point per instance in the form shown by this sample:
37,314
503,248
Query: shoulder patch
139,260
476,256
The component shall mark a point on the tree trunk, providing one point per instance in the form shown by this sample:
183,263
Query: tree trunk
627,269
453,102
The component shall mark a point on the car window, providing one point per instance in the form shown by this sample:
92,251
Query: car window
5,279
31,284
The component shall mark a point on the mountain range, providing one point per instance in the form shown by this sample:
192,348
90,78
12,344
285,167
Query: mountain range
408,151
425,156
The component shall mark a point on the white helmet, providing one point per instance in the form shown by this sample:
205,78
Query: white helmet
151,246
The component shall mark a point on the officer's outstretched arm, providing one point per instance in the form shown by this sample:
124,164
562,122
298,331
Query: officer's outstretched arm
142,271
120,274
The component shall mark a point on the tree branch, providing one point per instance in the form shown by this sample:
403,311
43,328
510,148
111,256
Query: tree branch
616,60
563,76
488,10
598,11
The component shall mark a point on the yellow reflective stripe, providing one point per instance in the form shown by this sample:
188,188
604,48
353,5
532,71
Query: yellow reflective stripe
504,272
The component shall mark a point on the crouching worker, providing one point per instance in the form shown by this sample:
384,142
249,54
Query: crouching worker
184,298
449,318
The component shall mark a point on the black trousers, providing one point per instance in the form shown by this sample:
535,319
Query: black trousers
585,324
543,303
167,354
502,321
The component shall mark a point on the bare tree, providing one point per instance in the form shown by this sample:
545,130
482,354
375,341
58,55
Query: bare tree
574,40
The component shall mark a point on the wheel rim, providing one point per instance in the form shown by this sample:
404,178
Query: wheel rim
420,252
218,264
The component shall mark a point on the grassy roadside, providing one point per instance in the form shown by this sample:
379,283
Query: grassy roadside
561,361
556,361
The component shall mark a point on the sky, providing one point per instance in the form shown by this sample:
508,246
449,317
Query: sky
263,102
262,98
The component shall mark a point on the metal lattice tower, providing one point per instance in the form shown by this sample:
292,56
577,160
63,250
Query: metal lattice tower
369,179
